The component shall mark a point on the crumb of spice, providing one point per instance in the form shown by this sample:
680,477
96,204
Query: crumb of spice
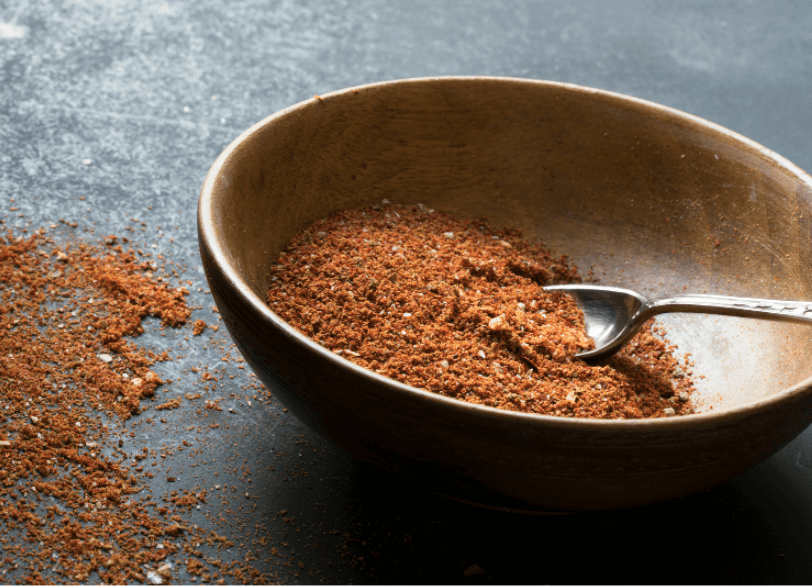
198,327
473,570
171,404
458,308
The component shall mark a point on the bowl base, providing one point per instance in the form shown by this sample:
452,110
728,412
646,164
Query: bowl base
506,507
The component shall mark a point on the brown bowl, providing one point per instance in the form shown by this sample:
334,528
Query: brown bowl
651,198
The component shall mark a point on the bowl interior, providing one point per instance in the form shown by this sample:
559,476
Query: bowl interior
645,197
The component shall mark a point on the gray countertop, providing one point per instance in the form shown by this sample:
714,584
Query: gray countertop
149,93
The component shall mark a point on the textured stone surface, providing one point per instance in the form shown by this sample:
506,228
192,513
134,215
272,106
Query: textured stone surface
151,92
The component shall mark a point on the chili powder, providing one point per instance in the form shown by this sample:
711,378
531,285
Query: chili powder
458,308
72,509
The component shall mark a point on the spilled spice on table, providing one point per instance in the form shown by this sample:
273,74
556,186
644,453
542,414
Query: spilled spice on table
457,308
72,509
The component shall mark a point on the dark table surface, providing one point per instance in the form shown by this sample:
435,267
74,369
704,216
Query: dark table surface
149,93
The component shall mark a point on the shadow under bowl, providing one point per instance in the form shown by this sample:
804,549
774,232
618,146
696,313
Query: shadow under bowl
650,198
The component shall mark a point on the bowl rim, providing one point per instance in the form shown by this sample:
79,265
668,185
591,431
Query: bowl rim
208,238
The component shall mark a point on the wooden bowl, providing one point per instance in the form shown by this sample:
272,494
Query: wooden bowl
651,198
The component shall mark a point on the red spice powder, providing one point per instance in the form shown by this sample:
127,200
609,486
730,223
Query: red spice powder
71,508
198,327
65,368
458,308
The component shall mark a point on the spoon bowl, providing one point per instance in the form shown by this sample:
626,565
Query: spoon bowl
609,316
613,316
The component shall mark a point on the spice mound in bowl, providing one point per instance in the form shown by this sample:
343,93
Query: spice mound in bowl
457,308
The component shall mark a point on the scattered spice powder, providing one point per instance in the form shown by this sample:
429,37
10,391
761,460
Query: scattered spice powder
71,508
65,367
458,308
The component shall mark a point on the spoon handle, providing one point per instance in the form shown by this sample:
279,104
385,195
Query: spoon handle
792,311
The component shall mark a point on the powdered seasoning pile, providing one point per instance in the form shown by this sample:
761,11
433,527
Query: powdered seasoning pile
458,308
74,505
65,368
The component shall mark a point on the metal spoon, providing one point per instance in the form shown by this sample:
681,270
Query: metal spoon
613,316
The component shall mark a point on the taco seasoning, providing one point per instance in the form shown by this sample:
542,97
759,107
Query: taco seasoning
458,308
